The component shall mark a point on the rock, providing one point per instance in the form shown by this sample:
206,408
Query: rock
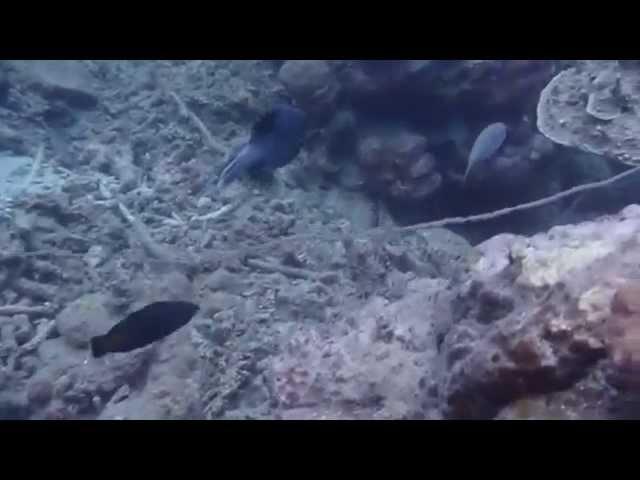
58,411
24,330
176,358
356,207
536,408
423,166
395,164
123,369
67,80
84,318
533,324
367,78
204,204
222,280
312,83
76,383
39,393
622,333
163,286
541,147
96,256
27,365
162,375
218,301
172,402
374,369
59,356
342,135
301,302
170,388
62,385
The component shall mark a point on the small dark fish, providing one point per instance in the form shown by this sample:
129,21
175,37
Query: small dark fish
144,326
486,145
275,140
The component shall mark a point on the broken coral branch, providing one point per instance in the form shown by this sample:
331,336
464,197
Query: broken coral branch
150,246
9,310
35,168
206,135
44,331
290,272
231,207
124,169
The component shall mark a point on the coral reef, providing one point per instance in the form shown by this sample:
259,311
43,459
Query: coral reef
314,303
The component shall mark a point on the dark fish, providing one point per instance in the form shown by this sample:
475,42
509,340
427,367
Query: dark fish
275,140
486,145
144,326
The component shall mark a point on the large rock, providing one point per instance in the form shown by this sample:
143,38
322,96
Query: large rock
377,366
84,318
529,319
82,385
312,83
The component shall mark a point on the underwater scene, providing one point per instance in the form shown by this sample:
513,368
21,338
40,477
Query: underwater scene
319,239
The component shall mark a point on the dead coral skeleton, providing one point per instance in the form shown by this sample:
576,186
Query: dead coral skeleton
10,310
206,135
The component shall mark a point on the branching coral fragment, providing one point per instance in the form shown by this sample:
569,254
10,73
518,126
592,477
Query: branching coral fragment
45,329
151,247
35,168
206,135
9,310
286,271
